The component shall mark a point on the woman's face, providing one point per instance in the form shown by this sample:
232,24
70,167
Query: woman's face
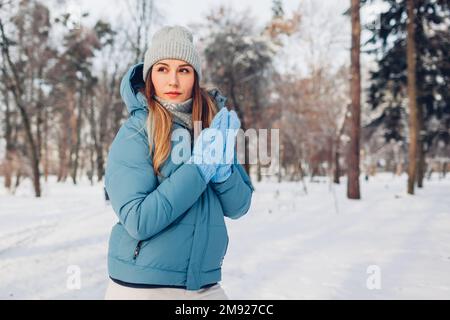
173,80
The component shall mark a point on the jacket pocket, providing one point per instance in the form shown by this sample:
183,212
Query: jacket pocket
137,250
216,248
114,240
168,250
121,244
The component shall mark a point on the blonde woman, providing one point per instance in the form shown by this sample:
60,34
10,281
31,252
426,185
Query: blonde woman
171,237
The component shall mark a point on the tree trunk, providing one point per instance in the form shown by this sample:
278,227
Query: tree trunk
100,161
62,172
105,114
420,163
420,148
444,169
7,170
413,123
337,169
39,115
18,176
32,147
258,172
18,91
76,151
353,191
399,169
280,165
90,173
7,164
99,145
65,129
46,155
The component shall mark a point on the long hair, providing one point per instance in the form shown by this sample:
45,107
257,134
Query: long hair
159,120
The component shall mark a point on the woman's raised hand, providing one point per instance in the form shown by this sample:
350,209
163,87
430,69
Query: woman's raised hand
214,148
228,127
207,153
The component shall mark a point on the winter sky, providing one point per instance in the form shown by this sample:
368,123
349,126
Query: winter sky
185,12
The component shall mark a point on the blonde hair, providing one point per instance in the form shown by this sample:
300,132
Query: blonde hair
159,120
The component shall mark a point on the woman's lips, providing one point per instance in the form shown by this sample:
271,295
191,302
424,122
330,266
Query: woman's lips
173,95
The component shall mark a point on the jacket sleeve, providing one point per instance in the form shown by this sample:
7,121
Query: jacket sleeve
235,193
142,206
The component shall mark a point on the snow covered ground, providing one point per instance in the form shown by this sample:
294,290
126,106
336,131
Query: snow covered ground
291,245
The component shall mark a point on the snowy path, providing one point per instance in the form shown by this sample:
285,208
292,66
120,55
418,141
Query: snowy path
289,246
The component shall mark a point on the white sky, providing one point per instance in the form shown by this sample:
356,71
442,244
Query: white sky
184,12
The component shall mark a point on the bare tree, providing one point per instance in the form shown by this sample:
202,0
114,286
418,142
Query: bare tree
353,191
28,46
143,15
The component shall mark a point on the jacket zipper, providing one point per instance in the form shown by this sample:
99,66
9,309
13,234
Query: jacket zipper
137,249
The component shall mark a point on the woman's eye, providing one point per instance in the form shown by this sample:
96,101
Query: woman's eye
163,69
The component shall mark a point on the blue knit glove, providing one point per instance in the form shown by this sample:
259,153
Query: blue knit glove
229,127
207,153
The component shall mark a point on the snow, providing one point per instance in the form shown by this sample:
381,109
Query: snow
290,245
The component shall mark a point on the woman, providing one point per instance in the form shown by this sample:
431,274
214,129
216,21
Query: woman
171,237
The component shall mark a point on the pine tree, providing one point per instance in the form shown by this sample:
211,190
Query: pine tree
389,82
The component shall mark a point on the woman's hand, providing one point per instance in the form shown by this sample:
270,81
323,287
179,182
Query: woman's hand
209,141
228,127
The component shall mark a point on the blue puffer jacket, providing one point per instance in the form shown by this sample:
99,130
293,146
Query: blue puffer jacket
171,229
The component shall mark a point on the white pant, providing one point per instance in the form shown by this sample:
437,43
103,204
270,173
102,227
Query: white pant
116,291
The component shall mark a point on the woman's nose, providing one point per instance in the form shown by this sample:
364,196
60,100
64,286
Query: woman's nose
173,80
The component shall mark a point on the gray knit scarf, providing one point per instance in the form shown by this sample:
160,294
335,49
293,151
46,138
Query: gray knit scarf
181,112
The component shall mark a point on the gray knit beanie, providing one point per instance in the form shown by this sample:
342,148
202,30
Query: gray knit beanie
172,42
